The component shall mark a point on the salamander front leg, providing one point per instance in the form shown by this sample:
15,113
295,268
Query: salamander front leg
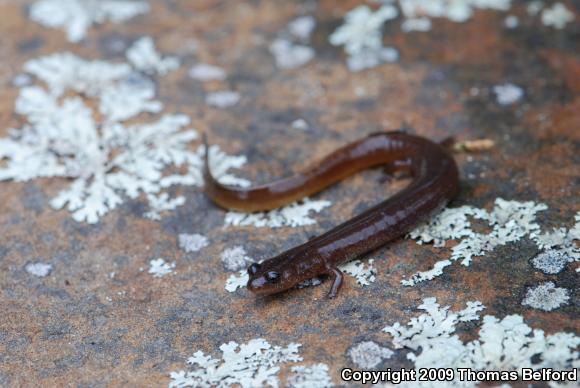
336,276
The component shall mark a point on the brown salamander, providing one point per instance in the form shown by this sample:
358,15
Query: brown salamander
435,182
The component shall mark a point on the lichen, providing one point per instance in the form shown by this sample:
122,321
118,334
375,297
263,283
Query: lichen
361,36
546,296
76,16
309,376
106,159
39,269
144,57
552,261
222,98
502,344
293,215
235,259
508,93
206,72
510,221
253,364
192,242
159,267
557,16
369,354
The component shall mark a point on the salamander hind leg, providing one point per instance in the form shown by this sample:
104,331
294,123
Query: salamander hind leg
336,276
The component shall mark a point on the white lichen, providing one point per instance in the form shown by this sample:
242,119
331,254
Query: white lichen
368,354
546,296
511,22
289,48
289,55
235,281
293,215
507,94
552,261
300,124
361,36
364,275
506,344
557,16
509,221
458,11
205,72
361,30
235,259
222,98
144,57
370,59
302,27
159,267
76,16
161,203
219,164
106,160
416,24
39,269
192,242
253,364
309,376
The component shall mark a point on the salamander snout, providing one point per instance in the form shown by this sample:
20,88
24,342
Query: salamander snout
263,280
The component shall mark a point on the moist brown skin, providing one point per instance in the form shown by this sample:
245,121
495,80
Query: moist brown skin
435,182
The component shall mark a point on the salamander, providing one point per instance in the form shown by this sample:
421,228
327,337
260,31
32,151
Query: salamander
435,181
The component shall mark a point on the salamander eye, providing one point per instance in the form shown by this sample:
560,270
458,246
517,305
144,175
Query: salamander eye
253,269
272,276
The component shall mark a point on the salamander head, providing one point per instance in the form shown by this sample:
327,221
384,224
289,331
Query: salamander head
272,276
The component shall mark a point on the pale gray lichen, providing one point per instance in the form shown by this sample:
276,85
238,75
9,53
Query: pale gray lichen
293,215
206,72
144,57
159,267
368,354
364,274
302,27
508,93
289,49
192,242
309,376
39,269
253,364
502,344
289,55
235,259
557,16
510,221
361,36
222,98
458,11
107,160
546,296
511,22
76,16
552,261
300,124
162,203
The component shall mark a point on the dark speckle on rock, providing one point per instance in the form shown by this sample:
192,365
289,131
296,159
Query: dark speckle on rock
28,46
56,331
33,198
